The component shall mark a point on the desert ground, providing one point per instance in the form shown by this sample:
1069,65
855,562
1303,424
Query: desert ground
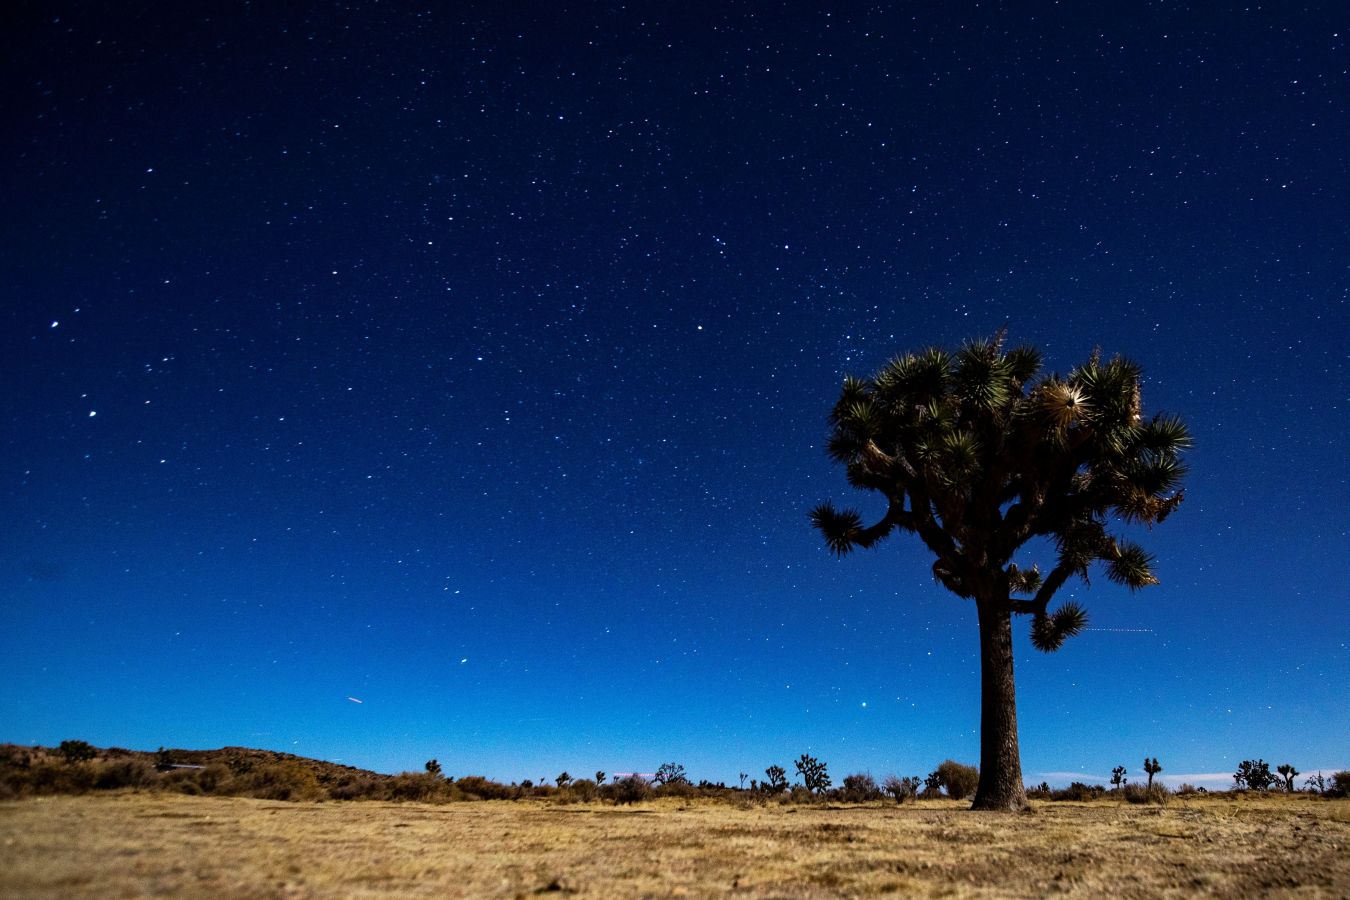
144,844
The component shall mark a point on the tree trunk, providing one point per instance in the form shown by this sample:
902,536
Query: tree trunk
1001,785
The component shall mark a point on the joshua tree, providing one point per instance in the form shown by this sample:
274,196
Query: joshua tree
1152,768
814,774
777,779
1118,777
433,768
978,455
670,773
563,780
744,775
1289,773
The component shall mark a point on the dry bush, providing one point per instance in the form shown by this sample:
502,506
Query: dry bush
859,788
49,777
418,787
479,787
584,790
358,787
901,789
1138,793
959,779
278,781
124,773
679,789
627,790
1080,792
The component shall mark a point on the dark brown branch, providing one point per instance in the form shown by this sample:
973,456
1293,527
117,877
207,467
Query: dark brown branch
1052,583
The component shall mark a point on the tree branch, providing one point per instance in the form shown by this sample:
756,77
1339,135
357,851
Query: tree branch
1037,605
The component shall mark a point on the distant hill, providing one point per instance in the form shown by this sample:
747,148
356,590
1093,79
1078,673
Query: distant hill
235,759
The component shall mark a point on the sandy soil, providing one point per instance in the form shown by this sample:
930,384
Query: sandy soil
136,845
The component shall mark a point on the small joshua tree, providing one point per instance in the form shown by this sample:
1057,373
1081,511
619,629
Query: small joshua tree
563,780
777,782
1152,768
670,773
599,777
814,774
1118,777
433,768
1289,773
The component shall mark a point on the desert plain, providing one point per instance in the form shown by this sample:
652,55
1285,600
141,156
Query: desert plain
165,845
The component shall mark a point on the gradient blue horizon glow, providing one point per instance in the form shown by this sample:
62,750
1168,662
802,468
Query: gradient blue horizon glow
474,365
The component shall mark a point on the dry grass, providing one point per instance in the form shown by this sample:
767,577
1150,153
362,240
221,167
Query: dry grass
133,845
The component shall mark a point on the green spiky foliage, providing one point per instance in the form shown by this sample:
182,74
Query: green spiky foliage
977,455
978,452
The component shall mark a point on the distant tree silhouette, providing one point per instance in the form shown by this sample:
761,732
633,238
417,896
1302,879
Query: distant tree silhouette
670,773
814,774
77,751
977,457
1152,768
599,777
163,759
1288,773
1118,777
563,780
1254,774
777,782
433,768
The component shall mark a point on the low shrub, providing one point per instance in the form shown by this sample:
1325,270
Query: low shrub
415,787
1039,792
1078,791
1138,793
357,787
901,789
278,781
958,779
631,789
859,788
480,787
679,789
124,773
583,790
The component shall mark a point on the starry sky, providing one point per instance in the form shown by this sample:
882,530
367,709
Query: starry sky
471,361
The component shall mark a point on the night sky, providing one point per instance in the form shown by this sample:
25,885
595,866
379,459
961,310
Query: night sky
472,362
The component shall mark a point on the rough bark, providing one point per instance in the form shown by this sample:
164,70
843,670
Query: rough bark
1000,785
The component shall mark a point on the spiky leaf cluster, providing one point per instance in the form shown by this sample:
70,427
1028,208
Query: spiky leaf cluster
978,452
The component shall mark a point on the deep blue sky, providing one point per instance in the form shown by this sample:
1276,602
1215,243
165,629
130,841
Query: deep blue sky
473,363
